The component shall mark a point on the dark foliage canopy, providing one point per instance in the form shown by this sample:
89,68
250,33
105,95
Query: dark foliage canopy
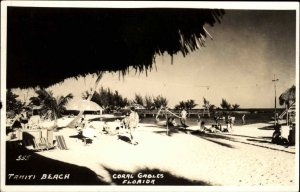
47,45
288,97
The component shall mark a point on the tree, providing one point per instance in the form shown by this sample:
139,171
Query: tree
180,106
205,103
235,106
225,104
148,102
138,99
212,107
159,101
107,99
190,104
49,103
12,103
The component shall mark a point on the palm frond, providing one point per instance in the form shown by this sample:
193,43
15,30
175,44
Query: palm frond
135,35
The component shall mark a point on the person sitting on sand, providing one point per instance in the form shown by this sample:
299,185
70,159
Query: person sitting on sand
81,124
160,122
173,122
202,127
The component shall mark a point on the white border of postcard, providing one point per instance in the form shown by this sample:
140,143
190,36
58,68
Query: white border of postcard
138,4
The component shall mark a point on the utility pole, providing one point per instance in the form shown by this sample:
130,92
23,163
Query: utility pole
275,112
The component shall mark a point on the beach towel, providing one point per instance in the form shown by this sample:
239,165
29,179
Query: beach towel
61,142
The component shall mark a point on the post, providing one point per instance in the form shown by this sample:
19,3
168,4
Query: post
275,108
167,123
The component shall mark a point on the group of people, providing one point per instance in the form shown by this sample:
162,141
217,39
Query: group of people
217,127
229,120
170,118
129,123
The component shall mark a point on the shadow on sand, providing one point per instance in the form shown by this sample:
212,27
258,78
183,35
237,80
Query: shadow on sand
254,141
70,174
270,127
215,138
124,138
37,165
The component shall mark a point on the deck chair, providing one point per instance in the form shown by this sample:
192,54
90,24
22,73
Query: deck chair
40,144
61,142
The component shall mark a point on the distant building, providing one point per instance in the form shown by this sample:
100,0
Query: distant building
135,105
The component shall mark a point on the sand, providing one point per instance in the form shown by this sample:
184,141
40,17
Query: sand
245,157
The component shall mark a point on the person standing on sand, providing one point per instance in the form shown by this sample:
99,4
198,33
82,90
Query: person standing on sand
199,119
133,123
24,118
183,115
243,119
229,124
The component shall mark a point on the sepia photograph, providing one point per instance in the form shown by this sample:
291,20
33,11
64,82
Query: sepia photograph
149,96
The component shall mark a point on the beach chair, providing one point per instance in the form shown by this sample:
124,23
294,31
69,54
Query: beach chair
61,144
41,144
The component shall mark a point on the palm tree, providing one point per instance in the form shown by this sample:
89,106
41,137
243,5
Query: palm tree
159,101
235,106
148,102
225,104
181,105
51,104
138,99
12,103
190,104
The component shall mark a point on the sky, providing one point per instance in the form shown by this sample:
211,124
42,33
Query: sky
248,48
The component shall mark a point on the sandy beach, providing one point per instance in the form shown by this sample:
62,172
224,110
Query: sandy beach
245,157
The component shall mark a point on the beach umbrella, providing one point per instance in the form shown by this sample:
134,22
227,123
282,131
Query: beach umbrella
47,45
78,105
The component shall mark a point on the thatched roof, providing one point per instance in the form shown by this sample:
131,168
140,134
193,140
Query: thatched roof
47,45
288,96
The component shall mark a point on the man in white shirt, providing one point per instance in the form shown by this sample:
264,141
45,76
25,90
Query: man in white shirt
183,115
133,123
